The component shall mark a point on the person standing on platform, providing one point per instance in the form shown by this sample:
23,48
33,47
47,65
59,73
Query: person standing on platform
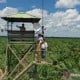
44,46
38,47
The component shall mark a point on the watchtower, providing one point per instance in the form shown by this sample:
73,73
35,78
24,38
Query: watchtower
20,44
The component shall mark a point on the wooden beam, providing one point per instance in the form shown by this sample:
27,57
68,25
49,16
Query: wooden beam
24,71
28,67
20,43
19,63
16,56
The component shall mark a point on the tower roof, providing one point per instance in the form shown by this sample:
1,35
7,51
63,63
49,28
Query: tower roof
21,17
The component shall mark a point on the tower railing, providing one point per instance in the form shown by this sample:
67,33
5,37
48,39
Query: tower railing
20,36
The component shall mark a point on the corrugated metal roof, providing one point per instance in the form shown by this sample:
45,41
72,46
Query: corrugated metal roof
22,15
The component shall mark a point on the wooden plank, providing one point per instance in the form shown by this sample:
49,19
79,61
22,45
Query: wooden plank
23,40
28,67
21,35
19,63
24,71
42,63
20,32
20,43
16,56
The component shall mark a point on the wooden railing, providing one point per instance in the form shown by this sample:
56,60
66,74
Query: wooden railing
20,35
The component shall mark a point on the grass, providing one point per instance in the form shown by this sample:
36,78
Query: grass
63,53
3,43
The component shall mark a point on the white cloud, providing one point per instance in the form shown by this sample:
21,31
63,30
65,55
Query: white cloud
33,6
37,12
2,1
63,23
67,3
6,11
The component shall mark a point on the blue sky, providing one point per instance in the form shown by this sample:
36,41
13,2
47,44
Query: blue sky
49,5
24,5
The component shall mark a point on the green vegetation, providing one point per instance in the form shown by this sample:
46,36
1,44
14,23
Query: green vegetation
63,53
3,44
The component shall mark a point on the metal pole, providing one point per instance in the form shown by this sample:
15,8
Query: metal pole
42,17
43,30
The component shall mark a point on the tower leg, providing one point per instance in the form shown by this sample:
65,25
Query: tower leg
8,61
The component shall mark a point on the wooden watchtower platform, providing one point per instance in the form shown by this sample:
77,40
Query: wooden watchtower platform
19,55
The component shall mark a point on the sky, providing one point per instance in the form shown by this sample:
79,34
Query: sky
25,5
61,17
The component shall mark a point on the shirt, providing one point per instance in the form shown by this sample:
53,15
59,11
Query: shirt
44,45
